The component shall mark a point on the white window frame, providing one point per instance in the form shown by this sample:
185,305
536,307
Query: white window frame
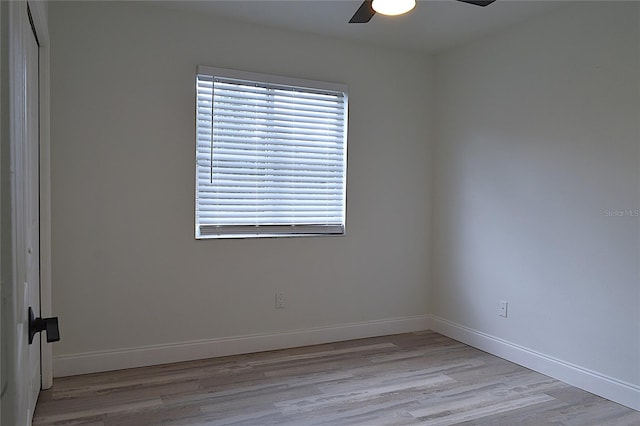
244,230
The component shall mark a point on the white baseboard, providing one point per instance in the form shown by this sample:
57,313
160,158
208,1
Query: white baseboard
608,387
93,362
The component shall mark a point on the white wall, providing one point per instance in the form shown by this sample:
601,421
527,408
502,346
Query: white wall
538,136
127,272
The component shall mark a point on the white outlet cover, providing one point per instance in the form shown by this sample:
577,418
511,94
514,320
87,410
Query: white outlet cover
502,308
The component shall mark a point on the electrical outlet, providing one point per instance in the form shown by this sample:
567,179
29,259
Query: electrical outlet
502,308
279,300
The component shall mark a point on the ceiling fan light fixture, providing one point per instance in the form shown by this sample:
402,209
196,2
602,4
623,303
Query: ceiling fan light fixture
393,7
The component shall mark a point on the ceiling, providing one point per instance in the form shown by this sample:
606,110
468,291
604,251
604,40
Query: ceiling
433,26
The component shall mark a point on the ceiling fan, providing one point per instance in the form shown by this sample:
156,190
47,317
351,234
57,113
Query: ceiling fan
366,10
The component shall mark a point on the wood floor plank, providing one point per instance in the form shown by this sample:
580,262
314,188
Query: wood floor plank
420,378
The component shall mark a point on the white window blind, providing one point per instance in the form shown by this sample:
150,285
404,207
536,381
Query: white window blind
271,155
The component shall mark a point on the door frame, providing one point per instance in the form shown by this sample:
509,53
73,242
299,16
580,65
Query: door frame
16,74
2,58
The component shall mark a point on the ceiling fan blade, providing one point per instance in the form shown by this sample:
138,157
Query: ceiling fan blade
482,3
364,13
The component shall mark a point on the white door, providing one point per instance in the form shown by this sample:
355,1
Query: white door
27,225
20,254
32,205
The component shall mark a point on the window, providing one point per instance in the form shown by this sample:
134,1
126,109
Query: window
270,155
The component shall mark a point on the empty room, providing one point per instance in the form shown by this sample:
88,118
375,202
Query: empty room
320,212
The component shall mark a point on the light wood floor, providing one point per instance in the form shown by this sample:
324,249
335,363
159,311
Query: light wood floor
416,378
